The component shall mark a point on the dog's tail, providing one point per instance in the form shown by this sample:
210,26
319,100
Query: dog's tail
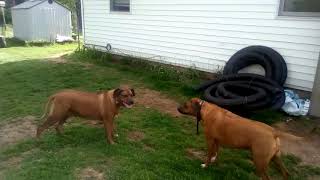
47,107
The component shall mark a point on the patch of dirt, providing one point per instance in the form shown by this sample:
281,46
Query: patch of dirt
307,148
135,136
314,178
154,99
90,174
197,154
13,162
60,55
17,130
93,123
59,59
148,148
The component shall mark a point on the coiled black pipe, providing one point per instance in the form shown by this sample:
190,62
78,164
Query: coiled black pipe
245,91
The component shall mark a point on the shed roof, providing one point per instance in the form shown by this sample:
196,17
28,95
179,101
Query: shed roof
31,3
28,4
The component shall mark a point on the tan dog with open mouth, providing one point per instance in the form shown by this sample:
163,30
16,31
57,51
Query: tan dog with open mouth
102,106
222,127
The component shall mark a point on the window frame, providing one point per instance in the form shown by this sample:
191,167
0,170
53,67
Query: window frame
295,14
119,12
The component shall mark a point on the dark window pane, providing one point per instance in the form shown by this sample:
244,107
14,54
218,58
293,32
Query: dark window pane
120,5
302,5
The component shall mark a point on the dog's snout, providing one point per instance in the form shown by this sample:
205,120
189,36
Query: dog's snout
131,101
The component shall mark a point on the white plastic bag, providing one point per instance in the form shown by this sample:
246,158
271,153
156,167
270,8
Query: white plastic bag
294,105
60,39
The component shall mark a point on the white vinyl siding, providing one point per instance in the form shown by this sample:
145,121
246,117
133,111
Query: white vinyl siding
204,34
20,30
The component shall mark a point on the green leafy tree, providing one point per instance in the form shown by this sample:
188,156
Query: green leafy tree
71,4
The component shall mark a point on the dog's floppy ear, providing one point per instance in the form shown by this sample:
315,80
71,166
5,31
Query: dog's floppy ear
117,92
132,91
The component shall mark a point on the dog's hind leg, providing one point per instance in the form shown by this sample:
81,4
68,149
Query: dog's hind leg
261,159
50,121
56,115
59,126
277,160
261,168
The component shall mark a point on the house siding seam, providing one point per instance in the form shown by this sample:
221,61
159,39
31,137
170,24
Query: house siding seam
205,33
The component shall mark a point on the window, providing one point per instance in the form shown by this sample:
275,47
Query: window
120,5
299,8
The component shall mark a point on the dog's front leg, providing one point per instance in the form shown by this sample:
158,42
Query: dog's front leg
213,148
115,133
108,126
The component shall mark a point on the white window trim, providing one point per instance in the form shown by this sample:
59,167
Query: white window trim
281,12
120,12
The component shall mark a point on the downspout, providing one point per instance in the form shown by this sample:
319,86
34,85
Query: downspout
315,97
83,22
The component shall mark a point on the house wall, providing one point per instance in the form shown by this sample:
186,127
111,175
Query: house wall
205,33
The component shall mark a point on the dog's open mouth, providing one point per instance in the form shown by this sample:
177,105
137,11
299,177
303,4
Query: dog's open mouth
127,105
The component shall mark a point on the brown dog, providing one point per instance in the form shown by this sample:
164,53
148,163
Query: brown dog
222,127
102,106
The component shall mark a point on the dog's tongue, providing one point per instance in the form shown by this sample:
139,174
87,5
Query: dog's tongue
127,105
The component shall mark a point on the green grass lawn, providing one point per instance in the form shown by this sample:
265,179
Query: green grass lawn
27,79
22,53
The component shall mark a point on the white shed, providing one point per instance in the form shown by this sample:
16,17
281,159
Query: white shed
206,33
41,20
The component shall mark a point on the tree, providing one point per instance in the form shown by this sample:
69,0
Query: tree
7,10
75,12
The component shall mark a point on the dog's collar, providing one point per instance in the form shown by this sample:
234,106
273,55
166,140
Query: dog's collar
201,103
199,115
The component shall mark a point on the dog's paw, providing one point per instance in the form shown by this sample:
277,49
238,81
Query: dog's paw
203,165
213,159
